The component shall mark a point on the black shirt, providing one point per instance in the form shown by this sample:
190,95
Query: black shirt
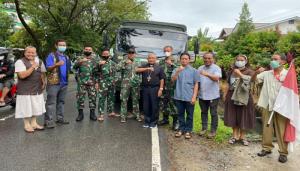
156,75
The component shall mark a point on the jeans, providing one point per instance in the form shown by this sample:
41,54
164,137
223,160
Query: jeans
55,102
151,105
185,123
211,105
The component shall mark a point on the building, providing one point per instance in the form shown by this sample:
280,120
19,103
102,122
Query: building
283,27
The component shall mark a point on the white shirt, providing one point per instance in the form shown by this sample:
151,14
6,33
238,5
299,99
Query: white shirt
270,89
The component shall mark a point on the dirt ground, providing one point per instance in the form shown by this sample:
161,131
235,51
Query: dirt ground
200,153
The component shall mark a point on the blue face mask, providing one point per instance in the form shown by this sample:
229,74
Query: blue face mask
61,48
274,64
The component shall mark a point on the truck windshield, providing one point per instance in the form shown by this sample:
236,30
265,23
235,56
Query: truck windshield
146,41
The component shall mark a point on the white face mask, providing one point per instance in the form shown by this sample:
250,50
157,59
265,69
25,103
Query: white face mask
1,57
240,64
168,54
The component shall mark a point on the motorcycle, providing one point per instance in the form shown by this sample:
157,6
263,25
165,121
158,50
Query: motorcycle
10,99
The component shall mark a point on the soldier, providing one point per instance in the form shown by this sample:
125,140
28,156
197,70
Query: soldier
167,104
130,84
86,67
106,84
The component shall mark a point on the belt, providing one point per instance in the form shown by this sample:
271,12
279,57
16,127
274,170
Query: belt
150,86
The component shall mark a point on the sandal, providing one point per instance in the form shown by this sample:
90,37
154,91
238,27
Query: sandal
244,142
232,140
38,128
178,134
112,114
187,135
29,130
2,103
100,118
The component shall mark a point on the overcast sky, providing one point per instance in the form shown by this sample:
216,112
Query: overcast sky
217,14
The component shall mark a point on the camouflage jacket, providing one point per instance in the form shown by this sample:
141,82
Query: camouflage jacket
86,70
128,74
106,73
169,86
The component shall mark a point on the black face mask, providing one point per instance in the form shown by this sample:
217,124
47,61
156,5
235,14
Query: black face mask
105,57
86,53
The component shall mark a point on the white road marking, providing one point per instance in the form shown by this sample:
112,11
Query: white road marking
156,165
7,117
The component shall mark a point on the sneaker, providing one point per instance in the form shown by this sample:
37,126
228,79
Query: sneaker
203,132
139,119
152,126
62,122
123,120
211,135
145,126
49,124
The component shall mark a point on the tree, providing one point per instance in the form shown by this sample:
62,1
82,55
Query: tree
79,22
6,28
244,26
206,42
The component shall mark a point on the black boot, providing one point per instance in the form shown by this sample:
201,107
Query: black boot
175,125
93,117
80,115
164,121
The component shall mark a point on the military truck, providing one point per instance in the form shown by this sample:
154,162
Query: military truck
149,36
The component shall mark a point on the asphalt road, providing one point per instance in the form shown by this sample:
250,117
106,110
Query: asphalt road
88,145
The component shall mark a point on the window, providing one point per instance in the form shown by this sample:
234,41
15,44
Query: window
291,21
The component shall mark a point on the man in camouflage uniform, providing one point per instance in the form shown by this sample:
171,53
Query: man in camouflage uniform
130,84
86,67
167,104
106,79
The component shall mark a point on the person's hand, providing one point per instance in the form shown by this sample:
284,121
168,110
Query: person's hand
159,92
193,101
151,69
129,61
97,86
2,76
237,72
102,62
34,65
59,63
260,70
169,62
83,60
204,73
181,68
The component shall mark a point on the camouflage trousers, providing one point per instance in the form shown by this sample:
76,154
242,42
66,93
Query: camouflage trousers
82,90
125,92
106,94
167,106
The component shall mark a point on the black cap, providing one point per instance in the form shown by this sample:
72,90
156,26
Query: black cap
131,50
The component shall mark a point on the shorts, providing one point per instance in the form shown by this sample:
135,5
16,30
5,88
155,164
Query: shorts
7,83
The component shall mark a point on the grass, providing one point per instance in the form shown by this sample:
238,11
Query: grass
223,132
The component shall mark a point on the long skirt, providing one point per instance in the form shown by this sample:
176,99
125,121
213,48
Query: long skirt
30,105
239,116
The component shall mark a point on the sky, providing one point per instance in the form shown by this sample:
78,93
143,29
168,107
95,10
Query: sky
218,14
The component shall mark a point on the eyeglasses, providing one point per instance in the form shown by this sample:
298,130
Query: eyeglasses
131,53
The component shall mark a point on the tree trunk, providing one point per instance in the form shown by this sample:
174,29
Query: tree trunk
28,29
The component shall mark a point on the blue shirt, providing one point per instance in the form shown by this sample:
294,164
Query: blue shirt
64,69
209,89
185,83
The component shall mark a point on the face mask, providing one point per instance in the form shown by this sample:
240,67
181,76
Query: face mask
168,54
240,64
86,53
1,57
61,48
105,57
274,64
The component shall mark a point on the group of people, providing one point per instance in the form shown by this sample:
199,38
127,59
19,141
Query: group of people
170,86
